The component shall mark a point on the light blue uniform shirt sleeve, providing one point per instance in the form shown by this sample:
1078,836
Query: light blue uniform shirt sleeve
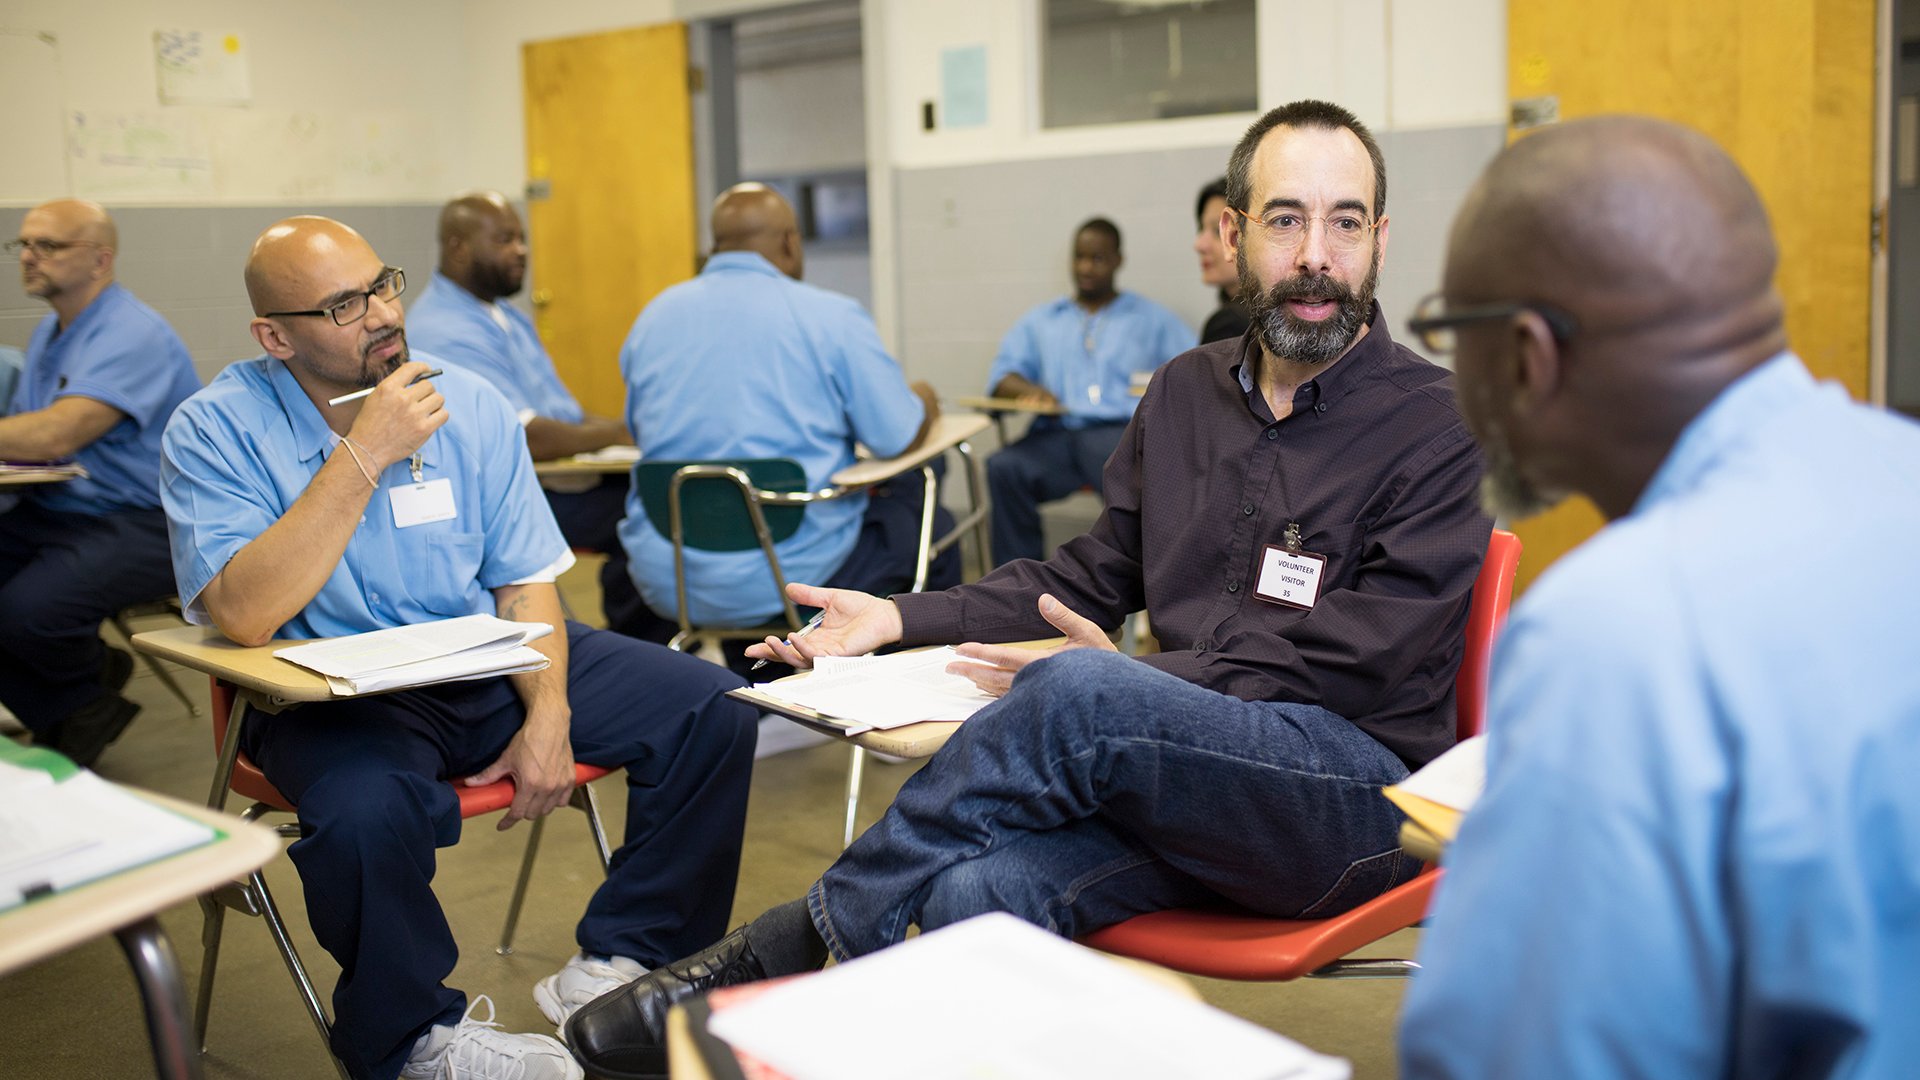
884,410
1020,352
1087,361
122,354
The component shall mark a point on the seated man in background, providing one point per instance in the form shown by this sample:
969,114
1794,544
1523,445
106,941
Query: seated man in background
1078,353
745,361
291,518
461,317
1698,853
1216,267
1242,762
103,373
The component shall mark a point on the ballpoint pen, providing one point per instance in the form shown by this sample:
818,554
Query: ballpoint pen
812,624
358,394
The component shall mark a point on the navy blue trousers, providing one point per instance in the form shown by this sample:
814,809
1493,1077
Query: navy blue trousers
369,777
1052,462
60,575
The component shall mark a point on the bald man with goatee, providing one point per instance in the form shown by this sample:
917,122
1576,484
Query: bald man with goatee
746,361
1698,853
103,373
295,518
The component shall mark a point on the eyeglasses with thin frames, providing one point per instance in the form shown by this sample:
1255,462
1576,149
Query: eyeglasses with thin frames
1345,230
1435,326
388,286
45,248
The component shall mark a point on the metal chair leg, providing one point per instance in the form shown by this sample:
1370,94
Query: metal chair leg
213,921
854,770
588,803
257,881
505,948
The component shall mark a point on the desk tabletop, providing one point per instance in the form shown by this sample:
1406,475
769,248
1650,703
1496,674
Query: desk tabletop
1009,405
948,432
54,924
255,668
20,477
597,463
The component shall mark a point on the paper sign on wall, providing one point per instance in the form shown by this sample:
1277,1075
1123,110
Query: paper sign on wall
963,86
201,67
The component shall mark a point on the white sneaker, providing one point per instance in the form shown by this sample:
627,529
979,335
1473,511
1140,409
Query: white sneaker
478,1050
580,981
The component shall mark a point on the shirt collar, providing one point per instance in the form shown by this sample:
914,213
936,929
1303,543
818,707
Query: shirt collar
1069,302
740,260
311,436
454,289
1765,392
89,313
1330,385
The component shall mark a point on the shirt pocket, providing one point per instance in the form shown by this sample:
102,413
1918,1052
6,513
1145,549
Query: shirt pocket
453,571
1341,545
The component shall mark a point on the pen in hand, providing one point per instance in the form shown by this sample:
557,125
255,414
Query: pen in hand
358,394
812,625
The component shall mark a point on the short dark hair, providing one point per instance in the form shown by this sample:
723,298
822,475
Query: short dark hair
1215,189
1306,113
1100,225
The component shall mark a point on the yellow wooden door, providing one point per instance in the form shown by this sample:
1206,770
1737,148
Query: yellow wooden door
1786,86
611,203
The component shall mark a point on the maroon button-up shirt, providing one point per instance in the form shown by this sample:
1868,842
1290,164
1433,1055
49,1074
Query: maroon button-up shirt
1374,465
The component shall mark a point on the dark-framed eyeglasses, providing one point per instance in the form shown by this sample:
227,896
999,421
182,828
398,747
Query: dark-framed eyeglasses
1435,325
388,286
1346,230
45,248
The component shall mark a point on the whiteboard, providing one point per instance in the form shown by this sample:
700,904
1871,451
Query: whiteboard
33,166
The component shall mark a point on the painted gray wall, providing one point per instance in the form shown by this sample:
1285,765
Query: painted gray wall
186,262
980,244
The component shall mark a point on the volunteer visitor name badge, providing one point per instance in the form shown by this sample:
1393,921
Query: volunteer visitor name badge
417,504
1288,577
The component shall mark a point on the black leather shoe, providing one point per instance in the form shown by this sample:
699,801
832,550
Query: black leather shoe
622,1034
83,735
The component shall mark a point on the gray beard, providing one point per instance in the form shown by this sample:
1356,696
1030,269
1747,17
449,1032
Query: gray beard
1306,343
1505,492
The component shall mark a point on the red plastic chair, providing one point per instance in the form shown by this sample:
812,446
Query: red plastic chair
1226,943
235,773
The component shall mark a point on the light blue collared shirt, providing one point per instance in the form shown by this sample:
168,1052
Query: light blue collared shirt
495,341
1087,361
239,453
119,352
745,362
1698,854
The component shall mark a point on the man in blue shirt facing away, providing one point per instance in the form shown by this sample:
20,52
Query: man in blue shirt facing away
462,317
1078,353
294,518
746,361
1698,853
103,373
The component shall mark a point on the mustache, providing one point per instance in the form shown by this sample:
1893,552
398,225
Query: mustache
379,340
1318,286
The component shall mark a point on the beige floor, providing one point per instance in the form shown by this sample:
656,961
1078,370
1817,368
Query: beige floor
77,1015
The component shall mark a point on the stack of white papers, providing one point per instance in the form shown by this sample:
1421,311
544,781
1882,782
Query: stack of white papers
55,834
1455,779
869,692
610,454
996,997
449,650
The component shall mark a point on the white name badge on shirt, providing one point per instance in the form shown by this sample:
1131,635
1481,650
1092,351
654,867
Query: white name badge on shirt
1291,578
417,504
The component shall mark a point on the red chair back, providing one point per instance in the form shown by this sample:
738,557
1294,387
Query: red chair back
1492,593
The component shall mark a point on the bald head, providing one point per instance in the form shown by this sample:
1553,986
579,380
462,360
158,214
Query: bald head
1624,221
753,217
1649,236
483,245
291,264
68,257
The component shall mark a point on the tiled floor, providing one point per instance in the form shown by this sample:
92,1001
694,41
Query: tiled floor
77,1016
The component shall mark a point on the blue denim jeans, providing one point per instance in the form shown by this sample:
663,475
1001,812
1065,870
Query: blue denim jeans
1100,788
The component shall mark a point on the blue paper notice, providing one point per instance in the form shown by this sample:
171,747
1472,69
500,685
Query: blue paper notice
963,86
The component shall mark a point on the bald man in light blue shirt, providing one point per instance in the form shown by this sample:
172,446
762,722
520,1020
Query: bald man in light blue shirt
1698,852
